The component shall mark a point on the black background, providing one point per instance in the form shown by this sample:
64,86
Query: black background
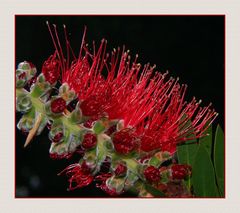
190,47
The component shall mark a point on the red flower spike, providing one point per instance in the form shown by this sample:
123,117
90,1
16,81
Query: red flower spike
89,141
125,141
58,105
120,170
146,101
79,176
155,115
180,171
151,174
51,69
155,107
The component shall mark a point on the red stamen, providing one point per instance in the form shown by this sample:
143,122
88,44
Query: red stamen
79,176
103,178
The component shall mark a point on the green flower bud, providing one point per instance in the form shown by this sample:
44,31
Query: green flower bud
66,93
74,141
131,178
76,115
154,161
116,183
41,87
27,121
23,103
21,78
90,158
99,127
56,134
29,68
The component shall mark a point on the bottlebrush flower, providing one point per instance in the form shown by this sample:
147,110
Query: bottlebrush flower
151,104
125,113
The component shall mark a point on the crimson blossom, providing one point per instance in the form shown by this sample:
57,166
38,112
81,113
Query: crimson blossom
151,106
128,116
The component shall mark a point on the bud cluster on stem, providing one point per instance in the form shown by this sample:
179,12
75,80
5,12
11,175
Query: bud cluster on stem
129,120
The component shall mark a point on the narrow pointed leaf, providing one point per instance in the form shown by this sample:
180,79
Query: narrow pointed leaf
207,141
219,158
203,175
186,154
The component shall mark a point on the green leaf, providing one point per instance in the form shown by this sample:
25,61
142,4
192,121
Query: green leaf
203,175
155,192
219,158
207,141
186,152
186,155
